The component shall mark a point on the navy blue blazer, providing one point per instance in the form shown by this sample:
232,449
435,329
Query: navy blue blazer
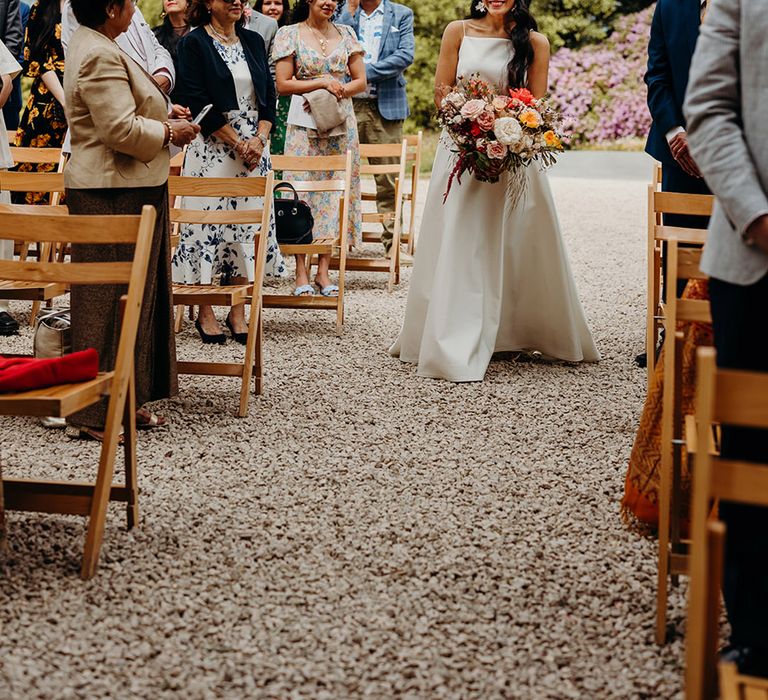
204,78
674,32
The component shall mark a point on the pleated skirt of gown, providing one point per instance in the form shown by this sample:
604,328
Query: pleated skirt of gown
95,309
489,277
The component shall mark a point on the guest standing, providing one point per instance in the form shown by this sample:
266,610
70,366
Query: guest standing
9,69
223,64
280,11
264,26
385,30
726,107
173,27
138,41
120,134
674,31
43,123
316,54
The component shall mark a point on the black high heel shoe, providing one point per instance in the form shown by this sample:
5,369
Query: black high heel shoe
217,339
241,338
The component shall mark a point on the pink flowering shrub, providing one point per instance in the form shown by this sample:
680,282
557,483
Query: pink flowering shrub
599,89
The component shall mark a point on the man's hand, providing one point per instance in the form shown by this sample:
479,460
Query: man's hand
758,233
680,152
162,82
179,112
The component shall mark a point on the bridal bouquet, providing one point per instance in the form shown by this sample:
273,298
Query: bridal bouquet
494,133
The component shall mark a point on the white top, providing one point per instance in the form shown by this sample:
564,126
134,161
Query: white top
486,56
8,66
370,32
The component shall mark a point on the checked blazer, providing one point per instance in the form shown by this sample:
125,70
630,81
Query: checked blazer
395,55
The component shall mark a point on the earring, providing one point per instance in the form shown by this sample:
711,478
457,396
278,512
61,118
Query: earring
480,7
111,15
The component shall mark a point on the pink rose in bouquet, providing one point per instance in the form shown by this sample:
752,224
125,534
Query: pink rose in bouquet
496,150
472,109
486,120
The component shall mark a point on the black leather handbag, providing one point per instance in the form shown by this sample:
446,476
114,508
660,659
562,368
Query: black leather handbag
293,218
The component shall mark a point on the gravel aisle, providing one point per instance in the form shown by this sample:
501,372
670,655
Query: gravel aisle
364,532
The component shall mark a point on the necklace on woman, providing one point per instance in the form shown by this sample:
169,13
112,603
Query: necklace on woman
322,39
221,37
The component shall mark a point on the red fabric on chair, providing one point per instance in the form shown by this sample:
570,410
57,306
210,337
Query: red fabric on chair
27,373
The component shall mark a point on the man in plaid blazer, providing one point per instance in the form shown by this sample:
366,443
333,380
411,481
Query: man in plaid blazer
385,29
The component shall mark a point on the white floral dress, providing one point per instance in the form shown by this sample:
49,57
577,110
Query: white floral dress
207,251
300,141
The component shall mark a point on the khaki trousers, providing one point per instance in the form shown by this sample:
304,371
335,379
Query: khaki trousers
373,128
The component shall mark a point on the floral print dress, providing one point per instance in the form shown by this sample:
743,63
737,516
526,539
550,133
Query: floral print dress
206,251
43,123
300,141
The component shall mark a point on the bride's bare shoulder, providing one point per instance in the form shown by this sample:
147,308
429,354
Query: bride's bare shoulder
454,31
539,41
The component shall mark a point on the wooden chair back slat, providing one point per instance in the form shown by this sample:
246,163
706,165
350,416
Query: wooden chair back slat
313,186
26,154
184,186
12,181
380,150
197,216
678,203
35,209
81,273
732,386
309,163
52,228
392,169
694,236
740,481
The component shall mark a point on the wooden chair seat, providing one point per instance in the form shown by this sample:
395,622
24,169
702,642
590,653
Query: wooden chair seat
31,291
319,246
288,301
60,401
214,294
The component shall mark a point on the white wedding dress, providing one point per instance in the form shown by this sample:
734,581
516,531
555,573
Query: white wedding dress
488,276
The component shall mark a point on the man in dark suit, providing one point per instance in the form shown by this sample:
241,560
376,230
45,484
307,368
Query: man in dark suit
674,32
12,108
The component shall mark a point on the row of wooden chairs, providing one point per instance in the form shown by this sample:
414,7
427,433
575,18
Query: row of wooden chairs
723,397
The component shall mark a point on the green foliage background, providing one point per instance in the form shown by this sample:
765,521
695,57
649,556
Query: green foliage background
571,23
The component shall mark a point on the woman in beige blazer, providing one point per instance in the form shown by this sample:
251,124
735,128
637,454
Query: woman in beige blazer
120,131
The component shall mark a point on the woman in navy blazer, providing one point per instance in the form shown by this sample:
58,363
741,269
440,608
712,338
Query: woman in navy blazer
223,64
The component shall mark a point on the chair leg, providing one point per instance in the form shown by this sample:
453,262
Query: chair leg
248,362
258,368
663,572
129,452
101,491
178,323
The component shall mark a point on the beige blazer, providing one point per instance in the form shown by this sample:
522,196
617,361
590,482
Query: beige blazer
115,113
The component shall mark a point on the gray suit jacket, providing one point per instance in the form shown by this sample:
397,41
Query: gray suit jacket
10,26
267,27
725,108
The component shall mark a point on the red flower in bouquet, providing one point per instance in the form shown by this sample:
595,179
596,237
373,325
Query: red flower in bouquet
523,95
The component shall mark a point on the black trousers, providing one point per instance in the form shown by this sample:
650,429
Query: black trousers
740,317
12,109
673,179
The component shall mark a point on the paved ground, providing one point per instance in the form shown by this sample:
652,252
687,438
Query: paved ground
365,533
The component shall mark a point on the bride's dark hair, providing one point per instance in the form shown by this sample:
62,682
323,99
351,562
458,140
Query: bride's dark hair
519,23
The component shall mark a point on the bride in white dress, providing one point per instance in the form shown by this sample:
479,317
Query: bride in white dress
489,276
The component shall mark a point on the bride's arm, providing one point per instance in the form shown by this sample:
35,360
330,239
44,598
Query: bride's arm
538,72
447,63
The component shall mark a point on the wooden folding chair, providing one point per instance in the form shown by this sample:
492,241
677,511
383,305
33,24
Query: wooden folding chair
36,291
732,398
409,194
90,499
229,295
397,153
322,165
682,263
660,203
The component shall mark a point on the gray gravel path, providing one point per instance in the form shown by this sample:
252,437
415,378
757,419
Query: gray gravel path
364,533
